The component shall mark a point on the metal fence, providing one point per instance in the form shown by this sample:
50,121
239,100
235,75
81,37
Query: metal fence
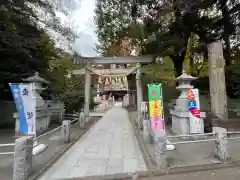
73,117
7,145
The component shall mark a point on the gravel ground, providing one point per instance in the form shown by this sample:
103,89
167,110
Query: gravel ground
193,154
217,174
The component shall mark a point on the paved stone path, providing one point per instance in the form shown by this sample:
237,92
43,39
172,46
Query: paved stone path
109,147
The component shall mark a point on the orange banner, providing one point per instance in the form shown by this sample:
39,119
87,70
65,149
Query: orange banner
155,108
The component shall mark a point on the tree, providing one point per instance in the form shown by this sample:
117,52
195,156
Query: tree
168,25
112,17
25,47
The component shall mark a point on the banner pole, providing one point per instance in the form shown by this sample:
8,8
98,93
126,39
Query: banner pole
37,148
35,143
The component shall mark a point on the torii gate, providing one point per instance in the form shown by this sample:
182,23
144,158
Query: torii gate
88,70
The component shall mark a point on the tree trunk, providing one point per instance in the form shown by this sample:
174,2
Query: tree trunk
178,65
178,60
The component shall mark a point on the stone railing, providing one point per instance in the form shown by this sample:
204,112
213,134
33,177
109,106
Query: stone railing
162,143
24,146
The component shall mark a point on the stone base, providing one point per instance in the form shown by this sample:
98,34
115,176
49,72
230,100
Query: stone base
181,122
170,147
38,149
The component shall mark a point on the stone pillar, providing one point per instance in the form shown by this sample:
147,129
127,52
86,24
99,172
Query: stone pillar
22,157
81,119
66,131
160,151
139,95
216,64
87,89
132,99
146,122
220,135
146,131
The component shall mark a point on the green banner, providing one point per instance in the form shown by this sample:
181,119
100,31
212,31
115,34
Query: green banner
154,92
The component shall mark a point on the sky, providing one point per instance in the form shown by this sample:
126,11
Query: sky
81,14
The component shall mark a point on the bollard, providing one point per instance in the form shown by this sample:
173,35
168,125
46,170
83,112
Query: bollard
220,135
66,131
81,120
22,157
139,120
146,131
160,151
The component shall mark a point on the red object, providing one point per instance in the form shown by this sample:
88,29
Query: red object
154,92
196,112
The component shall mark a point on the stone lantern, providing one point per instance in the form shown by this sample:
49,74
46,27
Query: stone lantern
184,84
180,113
42,113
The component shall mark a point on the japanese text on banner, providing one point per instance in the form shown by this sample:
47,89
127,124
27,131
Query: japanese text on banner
155,107
26,107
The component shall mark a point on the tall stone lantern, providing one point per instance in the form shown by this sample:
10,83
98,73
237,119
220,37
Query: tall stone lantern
42,113
180,114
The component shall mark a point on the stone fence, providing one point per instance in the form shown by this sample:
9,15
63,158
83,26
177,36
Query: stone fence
24,147
220,137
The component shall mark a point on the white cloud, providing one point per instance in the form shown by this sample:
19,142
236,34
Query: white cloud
79,16
83,19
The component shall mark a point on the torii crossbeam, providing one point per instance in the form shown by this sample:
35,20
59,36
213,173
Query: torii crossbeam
88,70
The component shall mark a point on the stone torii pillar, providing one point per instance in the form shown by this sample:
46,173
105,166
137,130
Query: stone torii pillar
87,89
139,95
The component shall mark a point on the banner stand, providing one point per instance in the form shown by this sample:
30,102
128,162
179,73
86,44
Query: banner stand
38,148
25,101
156,113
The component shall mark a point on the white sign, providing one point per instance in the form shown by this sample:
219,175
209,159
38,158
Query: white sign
195,121
105,101
26,105
144,107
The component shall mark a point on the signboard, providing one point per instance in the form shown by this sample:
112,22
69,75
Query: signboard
194,111
144,110
156,107
105,101
26,106
144,107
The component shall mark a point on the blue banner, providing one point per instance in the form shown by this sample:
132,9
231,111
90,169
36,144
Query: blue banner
26,107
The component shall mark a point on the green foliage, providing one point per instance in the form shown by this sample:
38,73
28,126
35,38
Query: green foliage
169,25
25,48
159,72
112,17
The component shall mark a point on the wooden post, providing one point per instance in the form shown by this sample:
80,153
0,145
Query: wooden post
216,65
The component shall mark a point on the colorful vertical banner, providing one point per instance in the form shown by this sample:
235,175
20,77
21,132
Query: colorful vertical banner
26,106
156,107
194,111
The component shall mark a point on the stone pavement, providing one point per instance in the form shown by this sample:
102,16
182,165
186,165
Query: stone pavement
109,147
